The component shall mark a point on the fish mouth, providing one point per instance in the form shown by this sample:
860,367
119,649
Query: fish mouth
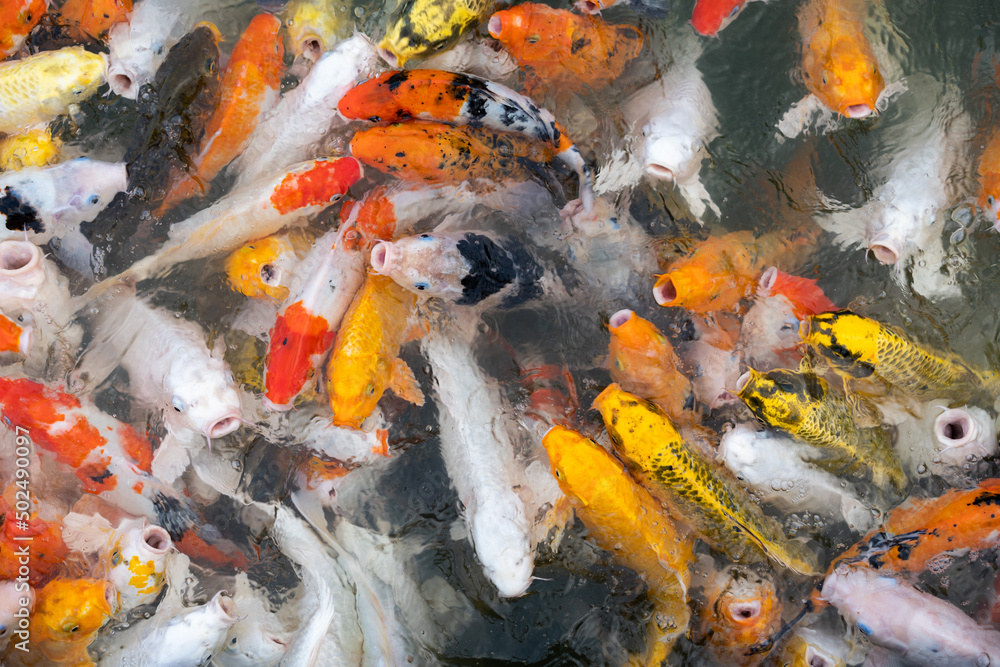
18,258
743,380
858,110
660,172
620,318
225,606
311,48
223,426
954,428
886,249
588,7
665,293
381,258
389,57
744,612
122,82
157,539
495,26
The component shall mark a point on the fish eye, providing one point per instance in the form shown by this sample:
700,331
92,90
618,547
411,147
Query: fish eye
990,201
75,628
824,78
94,200
370,389
116,557
558,473
864,628
421,286
736,10
533,39
334,198
425,237
618,364
178,404
230,379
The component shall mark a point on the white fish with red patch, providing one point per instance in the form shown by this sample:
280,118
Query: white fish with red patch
170,369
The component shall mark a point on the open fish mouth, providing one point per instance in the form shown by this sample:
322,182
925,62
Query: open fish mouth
224,425
859,111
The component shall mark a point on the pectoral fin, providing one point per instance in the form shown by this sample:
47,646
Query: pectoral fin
404,384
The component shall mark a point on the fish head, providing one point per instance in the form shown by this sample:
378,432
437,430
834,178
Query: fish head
313,28
261,43
204,398
137,560
711,16
375,100
769,334
255,269
298,335
808,648
691,286
844,339
989,199
672,154
76,71
22,267
356,391
249,643
964,435
846,76
517,28
71,610
578,463
780,397
714,370
91,186
220,611
420,29
504,546
746,609
428,264
738,447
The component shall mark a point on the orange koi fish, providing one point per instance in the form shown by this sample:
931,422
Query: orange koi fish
47,549
94,17
711,16
304,330
365,360
14,338
68,614
742,609
642,361
989,179
623,518
439,153
109,457
924,531
461,99
838,65
250,87
721,270
17,19
560,50
262,268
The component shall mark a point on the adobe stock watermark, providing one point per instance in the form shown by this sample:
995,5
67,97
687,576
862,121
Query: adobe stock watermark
22,516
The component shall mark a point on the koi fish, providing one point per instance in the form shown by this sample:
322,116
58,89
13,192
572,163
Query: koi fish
249,213
708,499
131,556
947,442
484,58
188,637
34,148
109,457
719,271
931,632
988,172
294,129
861,347
15,337
812,647
48,551
250,88
365,360
94,18
563,51
926,531
313,27
305,327
17,19
419,28
711,16
642,362
468,269
68,614
804,405
257,638
265,267
460,99
438,153
742,608
623,518
14,599
39,88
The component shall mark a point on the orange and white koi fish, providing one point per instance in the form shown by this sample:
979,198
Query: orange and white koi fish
563,51
304,330
47,549
132,556
17,19
250,87
460,99
989,179
365,360
623,518
15,337
68,614
94,17
249,213
438,153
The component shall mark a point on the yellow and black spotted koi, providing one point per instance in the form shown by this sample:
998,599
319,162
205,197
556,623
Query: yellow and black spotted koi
420,28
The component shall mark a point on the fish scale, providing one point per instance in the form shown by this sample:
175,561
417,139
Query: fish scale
36,89
717,508
861,347
803,405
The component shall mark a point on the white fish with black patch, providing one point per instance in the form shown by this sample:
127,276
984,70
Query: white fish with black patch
467,268
480,458
170,369
293,130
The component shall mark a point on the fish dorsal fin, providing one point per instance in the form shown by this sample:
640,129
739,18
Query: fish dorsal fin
404,384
